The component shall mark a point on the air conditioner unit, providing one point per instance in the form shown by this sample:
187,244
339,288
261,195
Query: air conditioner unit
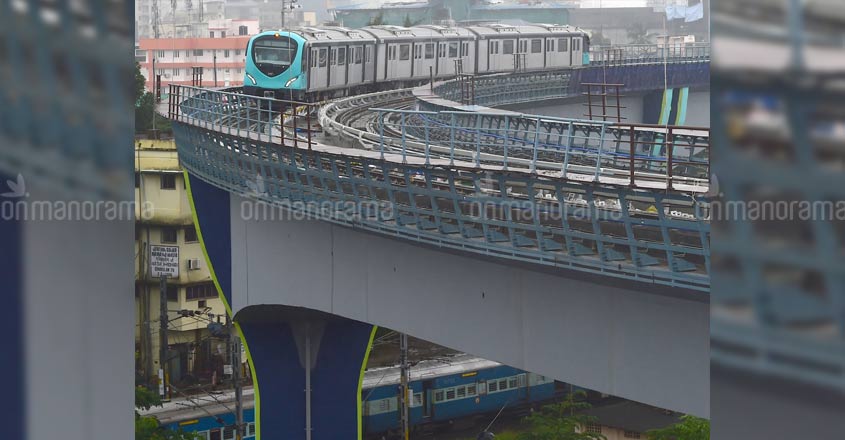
193,264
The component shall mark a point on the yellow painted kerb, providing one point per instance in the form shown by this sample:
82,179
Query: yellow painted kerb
361,380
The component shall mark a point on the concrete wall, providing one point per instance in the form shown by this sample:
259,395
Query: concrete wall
648,347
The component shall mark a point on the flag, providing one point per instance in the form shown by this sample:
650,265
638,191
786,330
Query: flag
694,12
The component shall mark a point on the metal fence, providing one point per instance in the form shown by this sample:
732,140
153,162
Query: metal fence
633,54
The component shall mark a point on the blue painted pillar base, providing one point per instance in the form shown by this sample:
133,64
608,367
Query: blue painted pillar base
281,341
11,326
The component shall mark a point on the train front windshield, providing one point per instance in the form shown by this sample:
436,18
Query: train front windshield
273,55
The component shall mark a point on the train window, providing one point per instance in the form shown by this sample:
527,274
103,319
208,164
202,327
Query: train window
322,58
438,396
471,391
417,400
550,45
507,47
450,394
215,435
404,52
203,435
453,50
332,56
429,51
250,429
562,45
441,50
511,382
314,58
466,48
368,53
228,433
341,56
536,46
384,405
503,384
521,379
576,44
492,386
357,58
461,392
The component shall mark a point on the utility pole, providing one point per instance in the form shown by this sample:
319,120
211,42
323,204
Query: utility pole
404,369
235,359
162,349
215,67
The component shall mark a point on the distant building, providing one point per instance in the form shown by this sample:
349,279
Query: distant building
626,420
162,199
176,58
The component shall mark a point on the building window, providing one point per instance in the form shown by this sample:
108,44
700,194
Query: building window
243,30
175,73
160,53
507,47
453,50
429,51
222,34
562,45
237,52
404,52
190,234
197,52
632,434
200,291
168,235
176,54
226,53
593,428
210,34
168,181
137,180
536,46
201,304
172,292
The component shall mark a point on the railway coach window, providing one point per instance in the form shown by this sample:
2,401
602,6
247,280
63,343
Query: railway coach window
453,50
492,386
562,45
507,47
429,51
404,52
576,44
536,46
357,58
441,50
438,396
274,51
322,57
341,56
228,433
465,49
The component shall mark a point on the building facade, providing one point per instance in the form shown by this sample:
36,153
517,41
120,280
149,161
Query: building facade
220,58
163,217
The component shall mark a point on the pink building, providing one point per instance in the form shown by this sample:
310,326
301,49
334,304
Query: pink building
175,59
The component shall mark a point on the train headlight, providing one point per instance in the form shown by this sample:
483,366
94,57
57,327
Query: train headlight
291,81
251,78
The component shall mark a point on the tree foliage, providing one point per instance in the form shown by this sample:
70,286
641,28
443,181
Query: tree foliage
599,39
148,428
377,20
689,428
638,34
561,421
145,107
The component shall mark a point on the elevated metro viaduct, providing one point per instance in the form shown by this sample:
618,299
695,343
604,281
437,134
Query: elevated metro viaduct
306,294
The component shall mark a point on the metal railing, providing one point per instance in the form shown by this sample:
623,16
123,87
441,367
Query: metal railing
633,54
273,120
637,155
445,199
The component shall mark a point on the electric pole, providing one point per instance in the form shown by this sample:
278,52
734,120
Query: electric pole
162,349
404,369
235,359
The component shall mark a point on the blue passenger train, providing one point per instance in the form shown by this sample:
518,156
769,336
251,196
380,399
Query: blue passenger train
443,390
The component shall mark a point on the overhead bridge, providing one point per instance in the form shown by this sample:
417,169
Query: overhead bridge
575,249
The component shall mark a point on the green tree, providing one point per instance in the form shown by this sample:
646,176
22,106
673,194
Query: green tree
689,428
145,107
407,22
377,20
148,428
561,421
598,39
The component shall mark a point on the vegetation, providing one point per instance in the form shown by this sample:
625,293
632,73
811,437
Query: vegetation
378,20
689,428
598,39
561,421
145,107
148,428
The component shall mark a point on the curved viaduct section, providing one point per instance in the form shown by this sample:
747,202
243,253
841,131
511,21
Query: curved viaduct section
573,249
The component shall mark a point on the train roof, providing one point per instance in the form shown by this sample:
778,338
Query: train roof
203,405
492,29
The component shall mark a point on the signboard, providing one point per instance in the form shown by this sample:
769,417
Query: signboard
227,369
164,260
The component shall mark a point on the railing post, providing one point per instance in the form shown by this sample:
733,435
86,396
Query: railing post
381,133
404,139
598,151
427,143
478,121
533,167
294,116
505,142
308,121
452,140
633,151
569,135
669,151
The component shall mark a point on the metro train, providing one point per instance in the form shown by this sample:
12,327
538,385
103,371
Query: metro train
315,63
443,390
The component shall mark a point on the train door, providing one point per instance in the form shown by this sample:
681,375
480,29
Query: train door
551,59
215,434
428,407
